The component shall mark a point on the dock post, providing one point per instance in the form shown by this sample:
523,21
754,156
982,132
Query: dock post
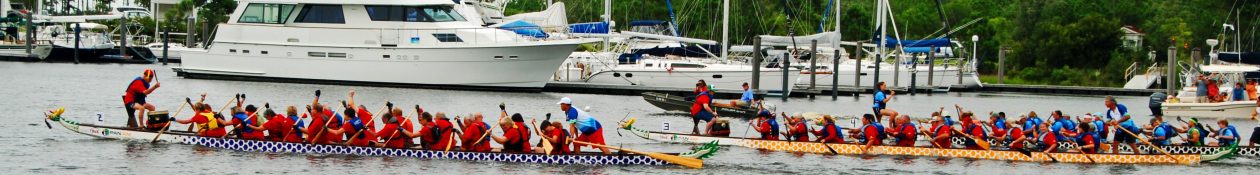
188,32
914,74
897,70
835,73
813,62
1194,57
122,45
78,31
756,64
1169,82
30,35
931,66
878,59
857,70
787,64
166,46
1001,61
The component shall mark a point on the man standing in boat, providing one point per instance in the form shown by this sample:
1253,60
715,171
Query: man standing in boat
134,99
1114,111
584,126
702,109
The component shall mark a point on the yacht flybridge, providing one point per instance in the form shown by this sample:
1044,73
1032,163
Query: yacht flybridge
387,42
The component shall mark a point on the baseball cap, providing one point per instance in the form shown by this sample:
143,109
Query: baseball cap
565,100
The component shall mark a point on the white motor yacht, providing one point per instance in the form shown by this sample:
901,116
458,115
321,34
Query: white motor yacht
1189,106
425,43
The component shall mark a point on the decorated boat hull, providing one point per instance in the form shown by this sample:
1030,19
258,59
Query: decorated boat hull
301,148
855,149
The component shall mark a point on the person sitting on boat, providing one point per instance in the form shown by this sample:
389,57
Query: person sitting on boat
882,97
1118,114
392,133
1063,126
1195,134
247,126
766,125
356,129
720,128
135,95
872,132
941,132
556,135
207,124
997,122
1089,139
745,100
1161,135
1031,124
274,127
473,131
318,121
1251,89
829,132
427,133
799,130
701,110
1015,137
443,131
515,137
362,112
906,133
294,125
1227,136
334,132
1238,93
1048,140
586,127
976,130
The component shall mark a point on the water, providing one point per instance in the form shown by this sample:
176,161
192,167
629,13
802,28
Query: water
89,89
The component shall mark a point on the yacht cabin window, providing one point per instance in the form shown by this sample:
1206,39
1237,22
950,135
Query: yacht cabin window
321,14
685,65
266,13
413,13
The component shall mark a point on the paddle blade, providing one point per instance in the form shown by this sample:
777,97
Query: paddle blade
685,162
983,144
46,123
1025,153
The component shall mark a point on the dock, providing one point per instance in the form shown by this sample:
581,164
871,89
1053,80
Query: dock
16,55
618,89
1076,90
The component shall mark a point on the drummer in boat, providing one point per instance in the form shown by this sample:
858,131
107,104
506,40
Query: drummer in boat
882,97
585,127
134,98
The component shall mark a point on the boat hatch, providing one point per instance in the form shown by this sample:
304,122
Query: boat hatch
447,37
685,65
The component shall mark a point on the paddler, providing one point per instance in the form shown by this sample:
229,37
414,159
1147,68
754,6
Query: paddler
135,95
207,124
293,126
428,133
828,132
1195,134
1048,141
1227,136
766,125
585,126
1161,134
1089,139
997,122
905,133
249,128
391,133
474,128
362,112
941,132
701,110
872,132
1063,126
976,130
443,131
515,137
1016,135
356,129
882,97
1118,114
274,126
556,135
798,130
318,121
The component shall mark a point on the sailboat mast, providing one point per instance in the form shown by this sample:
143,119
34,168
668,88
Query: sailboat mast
726,28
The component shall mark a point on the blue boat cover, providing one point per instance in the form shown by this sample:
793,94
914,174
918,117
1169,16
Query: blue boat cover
590,27
939,42
524,28
646,22
1252,58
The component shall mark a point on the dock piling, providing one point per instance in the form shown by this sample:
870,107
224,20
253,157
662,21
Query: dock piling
835,74
914,72
756,64
787,64
122,45
813,63
78,31
30,35
1169,82
857,71
166,46
1001,70
931,66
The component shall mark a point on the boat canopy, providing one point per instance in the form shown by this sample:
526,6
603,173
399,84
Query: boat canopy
552,17
590,27
825,38
1235,57
522,27
646,23
1229,68
692,50
939,42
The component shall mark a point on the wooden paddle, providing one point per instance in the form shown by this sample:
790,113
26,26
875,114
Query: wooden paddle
684,161
1139,138
533,124
980,142
187,101
1077,147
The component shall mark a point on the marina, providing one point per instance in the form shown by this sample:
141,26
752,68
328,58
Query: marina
672,87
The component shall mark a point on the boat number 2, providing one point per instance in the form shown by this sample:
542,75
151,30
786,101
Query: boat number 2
665,126
99,117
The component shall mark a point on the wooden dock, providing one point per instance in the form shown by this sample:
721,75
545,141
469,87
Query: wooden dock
16,55
1077,90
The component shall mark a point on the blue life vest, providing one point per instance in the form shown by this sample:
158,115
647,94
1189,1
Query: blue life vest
1231,132
831,126
970,130
879,100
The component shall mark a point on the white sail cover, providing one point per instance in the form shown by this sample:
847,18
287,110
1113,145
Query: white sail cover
552,18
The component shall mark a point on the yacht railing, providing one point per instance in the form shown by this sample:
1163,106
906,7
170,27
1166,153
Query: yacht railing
411,36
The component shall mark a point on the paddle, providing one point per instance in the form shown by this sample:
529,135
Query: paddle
187,101
684,161
1078,148
546,142
930,140
1139,138
979,142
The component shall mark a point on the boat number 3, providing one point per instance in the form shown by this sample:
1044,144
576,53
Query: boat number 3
665,126
99,117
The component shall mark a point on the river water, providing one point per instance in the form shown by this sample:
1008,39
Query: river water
89,90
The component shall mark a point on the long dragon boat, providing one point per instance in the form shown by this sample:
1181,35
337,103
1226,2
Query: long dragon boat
856,149
181,137
1248,151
